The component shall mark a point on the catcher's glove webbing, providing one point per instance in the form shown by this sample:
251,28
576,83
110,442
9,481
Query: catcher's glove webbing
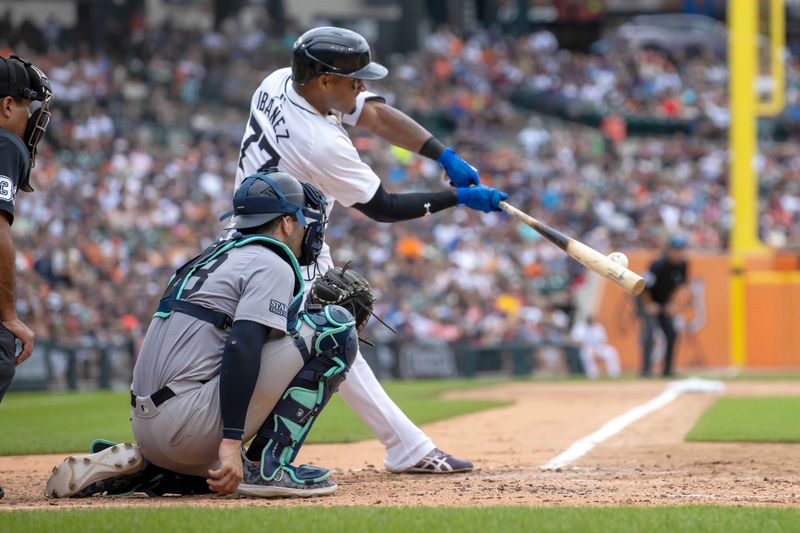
345,287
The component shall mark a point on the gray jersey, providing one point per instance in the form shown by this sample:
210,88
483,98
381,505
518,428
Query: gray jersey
247,283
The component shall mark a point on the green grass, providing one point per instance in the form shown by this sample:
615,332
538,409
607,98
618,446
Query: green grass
387,520
36,422
764,419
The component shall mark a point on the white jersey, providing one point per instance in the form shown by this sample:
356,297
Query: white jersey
287,132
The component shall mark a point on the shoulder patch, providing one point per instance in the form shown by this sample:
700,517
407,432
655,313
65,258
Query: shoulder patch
279,308
7,189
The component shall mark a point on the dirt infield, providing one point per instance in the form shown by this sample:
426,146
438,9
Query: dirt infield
645,464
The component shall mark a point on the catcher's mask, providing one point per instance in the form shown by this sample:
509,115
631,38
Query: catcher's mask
268,194
23,80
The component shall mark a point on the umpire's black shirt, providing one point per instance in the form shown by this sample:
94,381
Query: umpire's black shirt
663,279
14,163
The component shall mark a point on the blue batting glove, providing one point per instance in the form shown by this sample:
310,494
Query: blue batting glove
461,173
480,198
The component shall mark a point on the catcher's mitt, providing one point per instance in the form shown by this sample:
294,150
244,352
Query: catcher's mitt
345,287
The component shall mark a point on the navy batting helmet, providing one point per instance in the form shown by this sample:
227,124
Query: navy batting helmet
335,51
270,193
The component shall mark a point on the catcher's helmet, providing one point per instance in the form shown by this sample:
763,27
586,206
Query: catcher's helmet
268,194
336,51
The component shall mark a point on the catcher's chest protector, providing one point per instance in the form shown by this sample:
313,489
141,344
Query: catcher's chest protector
173,300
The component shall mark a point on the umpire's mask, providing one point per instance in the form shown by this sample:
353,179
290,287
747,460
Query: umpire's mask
20,79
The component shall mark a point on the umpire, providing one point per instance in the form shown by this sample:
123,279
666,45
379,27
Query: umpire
663,278
24,114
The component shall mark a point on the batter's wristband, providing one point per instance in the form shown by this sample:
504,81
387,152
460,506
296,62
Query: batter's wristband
432,148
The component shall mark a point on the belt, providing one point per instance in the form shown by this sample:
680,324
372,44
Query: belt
158,397
149,404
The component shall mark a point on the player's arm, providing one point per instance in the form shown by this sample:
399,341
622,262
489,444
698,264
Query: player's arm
398,129
241,363
650,278
392,207
337,162
11,167
393,126
7,299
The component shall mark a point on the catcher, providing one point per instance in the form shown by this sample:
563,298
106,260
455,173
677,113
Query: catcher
230,356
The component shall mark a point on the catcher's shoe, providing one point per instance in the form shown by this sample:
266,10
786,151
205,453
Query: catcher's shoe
2,493
439,462
283,485
87,474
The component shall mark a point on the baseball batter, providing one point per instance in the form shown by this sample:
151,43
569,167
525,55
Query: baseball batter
296,124
229,355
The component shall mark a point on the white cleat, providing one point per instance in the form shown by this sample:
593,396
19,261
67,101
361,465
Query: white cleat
78,472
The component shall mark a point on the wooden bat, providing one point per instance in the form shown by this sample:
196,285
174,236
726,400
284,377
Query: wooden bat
631,282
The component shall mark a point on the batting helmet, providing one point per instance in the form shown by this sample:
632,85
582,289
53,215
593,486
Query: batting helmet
336,51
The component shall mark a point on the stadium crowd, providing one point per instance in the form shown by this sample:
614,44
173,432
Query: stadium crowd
140,158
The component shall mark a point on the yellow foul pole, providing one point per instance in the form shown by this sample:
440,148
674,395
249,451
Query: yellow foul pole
742,43
777,44
742,36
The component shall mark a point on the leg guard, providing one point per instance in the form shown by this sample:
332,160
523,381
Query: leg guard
332,351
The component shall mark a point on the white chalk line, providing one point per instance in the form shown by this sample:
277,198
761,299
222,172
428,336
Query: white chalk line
615,425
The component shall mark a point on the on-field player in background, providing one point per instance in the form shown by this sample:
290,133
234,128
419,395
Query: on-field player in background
25,96
296,124
663,278
230,355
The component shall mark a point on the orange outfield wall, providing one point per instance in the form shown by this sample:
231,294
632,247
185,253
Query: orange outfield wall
772,297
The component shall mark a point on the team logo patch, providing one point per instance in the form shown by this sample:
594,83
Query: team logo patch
279,308
7,189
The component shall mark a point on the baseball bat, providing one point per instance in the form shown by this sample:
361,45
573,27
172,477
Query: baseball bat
631,282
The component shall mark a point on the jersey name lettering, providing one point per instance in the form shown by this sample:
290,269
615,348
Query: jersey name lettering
273,109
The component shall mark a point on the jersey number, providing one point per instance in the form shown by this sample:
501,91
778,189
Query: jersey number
263,145
202,275
6,188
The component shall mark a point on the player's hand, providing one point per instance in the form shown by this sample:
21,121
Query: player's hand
18,328
461,173
481,198
227,477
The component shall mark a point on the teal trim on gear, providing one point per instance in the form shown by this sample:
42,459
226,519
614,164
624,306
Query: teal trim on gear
95,442
327,310
252,239
296,479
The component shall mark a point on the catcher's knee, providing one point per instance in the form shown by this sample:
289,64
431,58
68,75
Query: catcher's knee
330,352
335,333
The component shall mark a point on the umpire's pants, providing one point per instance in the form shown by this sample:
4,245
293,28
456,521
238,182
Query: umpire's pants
8,359
649,323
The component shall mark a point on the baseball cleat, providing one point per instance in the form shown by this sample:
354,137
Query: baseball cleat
2,493
79,472
439,462
282,485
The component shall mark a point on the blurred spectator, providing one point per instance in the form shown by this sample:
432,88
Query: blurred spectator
148,139
591,338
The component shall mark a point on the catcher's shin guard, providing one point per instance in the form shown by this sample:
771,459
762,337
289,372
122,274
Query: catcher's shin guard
331,353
